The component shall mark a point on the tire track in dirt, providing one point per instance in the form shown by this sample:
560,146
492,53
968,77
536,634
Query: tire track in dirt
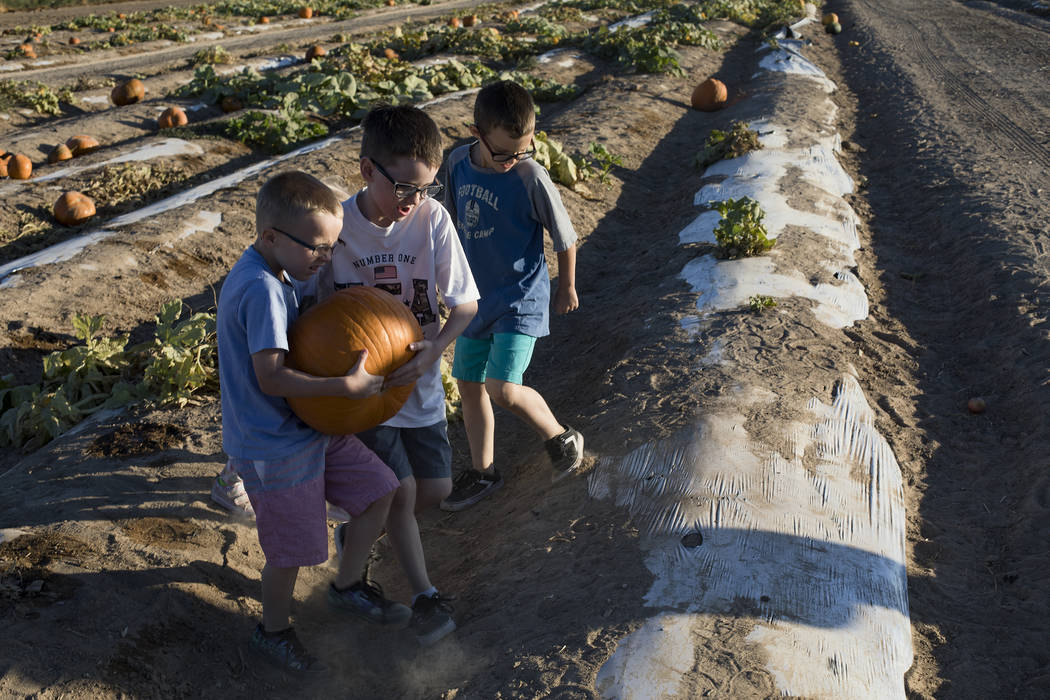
920,48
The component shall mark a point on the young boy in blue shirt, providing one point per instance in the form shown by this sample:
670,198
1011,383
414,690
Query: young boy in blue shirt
396,236
502,201
288,469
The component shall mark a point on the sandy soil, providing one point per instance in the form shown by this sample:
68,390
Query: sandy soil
143,579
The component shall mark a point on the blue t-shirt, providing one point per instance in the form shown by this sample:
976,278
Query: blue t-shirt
500,218
255,311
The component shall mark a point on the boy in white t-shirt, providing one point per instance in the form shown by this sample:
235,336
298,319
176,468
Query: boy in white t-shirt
398,237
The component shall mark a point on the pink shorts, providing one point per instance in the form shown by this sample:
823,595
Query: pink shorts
289,495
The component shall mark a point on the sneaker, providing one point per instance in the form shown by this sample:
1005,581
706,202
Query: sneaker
284,650
431,619
365,600
231,496
469,487
566,452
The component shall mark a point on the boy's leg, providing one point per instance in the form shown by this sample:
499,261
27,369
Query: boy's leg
479,423
511,354
359,482
278,585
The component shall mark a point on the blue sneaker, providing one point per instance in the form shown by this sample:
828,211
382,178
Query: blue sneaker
365,600
431,619
284,650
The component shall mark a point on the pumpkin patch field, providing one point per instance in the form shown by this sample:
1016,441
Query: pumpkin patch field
134,137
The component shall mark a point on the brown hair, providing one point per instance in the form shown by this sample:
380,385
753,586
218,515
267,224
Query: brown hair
289,196
400,131
505,104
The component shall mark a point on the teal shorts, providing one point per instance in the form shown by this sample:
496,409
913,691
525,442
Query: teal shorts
503,356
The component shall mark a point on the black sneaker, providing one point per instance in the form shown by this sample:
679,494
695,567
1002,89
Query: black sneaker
431,619
469,487
566,452
284,650
365,600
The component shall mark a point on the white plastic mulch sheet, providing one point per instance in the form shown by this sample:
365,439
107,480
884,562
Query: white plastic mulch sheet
808,546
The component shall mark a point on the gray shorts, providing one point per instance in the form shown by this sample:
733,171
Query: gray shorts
420,452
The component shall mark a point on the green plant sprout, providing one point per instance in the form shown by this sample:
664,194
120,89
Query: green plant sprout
728,144
740,233
760,302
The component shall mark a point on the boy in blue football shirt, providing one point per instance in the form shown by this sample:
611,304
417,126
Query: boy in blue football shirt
502,201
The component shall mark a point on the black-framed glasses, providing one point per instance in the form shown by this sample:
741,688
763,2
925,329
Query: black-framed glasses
504,157
323,250
405,190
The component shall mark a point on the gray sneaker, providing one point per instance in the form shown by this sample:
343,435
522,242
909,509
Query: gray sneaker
365,600
566,452
284,650
469,487
431,619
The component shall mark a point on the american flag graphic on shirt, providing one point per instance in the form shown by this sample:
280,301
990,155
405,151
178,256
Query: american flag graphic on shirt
384,272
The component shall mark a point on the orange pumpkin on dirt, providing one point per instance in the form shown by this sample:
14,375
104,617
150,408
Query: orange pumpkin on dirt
59,153
391,3
390,54
326,341
172,117
73,208
829,18
470,20
264,20
79,145
19,167
27,50
315,51
5,158
710,95
454,22
74,40
128,93
306,12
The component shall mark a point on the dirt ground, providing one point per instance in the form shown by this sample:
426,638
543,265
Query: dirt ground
126,577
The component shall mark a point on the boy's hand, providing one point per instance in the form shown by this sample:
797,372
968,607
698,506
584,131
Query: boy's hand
358,383
414,368
565,300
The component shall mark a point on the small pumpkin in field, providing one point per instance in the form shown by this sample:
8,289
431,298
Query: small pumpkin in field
27,50
306,12
59,153
315,51
833,28
74,40
128,92
73,208
828,18
19,167
264,20
391,3
454,22
390,54
470,20
327,340
710,95
81,145
172,117
231,104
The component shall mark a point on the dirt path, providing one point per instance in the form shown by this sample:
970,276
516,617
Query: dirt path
954,121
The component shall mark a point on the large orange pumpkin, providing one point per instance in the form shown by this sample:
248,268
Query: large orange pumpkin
74,208
128,92
79,145
172,117
326,342
20,167
59,153
710,95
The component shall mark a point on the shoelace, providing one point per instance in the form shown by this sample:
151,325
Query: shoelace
439,601
372,590
465,478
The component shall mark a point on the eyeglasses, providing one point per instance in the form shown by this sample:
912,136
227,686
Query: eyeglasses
504,157
404,190
320,251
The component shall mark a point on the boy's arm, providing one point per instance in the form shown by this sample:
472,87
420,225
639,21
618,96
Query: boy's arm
277,379
429,351
565,299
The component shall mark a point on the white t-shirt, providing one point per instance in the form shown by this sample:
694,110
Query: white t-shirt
414,259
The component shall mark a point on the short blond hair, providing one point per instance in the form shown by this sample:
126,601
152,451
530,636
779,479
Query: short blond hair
289,196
